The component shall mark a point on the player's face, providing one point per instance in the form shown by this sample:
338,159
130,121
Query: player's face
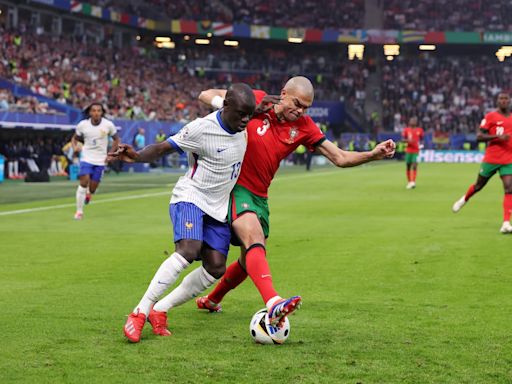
95,113
294,104
503,101
413,122
237,116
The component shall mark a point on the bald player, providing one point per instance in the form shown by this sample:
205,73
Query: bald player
277,129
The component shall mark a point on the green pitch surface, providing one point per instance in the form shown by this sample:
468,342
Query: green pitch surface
396,287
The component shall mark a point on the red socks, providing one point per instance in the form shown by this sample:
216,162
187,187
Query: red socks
507,207
471,192
411,174
259,271
233,277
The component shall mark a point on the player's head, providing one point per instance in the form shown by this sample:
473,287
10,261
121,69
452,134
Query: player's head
95,111
503,101
296,97
239,105
413,121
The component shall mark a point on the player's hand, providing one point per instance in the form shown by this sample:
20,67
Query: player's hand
503,137
124,153
384,150
267,103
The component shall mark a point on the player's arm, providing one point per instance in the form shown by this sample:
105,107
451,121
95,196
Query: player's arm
115,142
215,99
148,154
75,140
345,159
484,136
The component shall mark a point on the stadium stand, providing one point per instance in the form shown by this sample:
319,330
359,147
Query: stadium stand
286,13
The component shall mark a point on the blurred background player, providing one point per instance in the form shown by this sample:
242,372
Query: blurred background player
496,130
413,135
199,205
94,132
272,136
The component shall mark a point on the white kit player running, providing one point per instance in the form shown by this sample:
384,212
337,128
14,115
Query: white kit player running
199,204
94,132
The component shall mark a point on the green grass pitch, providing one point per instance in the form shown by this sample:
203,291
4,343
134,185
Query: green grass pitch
396,288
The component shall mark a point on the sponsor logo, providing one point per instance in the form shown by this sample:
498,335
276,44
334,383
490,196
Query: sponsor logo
245,205
219,150
432,156
189,225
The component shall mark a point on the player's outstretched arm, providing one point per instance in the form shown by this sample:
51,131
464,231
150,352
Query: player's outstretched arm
148,154
75,142
345,159
115,143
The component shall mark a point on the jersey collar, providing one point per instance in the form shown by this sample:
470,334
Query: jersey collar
224,127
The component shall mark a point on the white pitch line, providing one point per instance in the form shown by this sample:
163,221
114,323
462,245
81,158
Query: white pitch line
132,197
108,200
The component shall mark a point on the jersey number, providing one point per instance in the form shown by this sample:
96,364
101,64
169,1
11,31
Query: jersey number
236,170
500,131
262,130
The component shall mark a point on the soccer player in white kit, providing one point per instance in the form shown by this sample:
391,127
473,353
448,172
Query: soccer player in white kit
199,205
94,132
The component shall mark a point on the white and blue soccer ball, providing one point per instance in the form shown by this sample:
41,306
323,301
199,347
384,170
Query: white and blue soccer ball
264,333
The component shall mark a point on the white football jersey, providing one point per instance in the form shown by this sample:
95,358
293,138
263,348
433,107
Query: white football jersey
94,150
215,156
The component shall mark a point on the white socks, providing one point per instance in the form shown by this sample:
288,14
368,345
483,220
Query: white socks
80,198
192,285
166,275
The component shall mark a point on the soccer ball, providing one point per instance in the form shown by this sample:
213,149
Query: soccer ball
264,333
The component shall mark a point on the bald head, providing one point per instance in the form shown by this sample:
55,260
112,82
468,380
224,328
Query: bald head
239,105
296,97
300,85
241,93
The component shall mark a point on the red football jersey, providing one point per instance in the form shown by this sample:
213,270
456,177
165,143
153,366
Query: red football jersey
268,142
414,136
498,151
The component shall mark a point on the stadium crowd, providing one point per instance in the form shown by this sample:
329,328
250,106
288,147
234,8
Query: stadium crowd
284,13
448,15
147,84
449,94
26,104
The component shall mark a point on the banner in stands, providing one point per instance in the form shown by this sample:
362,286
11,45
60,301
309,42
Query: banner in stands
433,156
216,28
332,112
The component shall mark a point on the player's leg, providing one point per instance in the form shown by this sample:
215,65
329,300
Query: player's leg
414,170
96,176
506,177
486,172
408,170
216,236
234,276
83,184
187,222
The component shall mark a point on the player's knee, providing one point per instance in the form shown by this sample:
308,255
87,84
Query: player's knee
217,270
189,249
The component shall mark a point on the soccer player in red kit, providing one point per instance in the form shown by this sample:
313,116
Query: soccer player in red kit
272,136
496,130
413,135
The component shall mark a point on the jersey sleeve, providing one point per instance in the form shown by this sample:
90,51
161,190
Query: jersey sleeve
112,129
314,135
486,122
259,95
189,138
79,130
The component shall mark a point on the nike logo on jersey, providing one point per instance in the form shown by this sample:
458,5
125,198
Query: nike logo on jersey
263,276
499,122
219,150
